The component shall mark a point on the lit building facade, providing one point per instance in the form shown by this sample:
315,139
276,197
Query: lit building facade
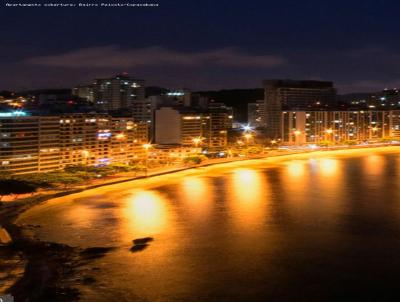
294,95
300,127
84,92
30,144
183,125
117,93
256,114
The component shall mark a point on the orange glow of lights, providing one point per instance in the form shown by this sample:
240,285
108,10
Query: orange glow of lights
248,197
328,166
197,193
196,141
374,164
147,213
147,146
85,153
296,169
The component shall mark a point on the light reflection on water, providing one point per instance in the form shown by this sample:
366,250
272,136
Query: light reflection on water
145,213
197,196
248,198
244,234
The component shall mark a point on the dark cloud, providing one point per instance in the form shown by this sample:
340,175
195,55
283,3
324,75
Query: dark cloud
116,57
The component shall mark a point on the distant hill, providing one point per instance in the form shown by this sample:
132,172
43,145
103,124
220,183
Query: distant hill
354,96
46,91
236,98
155,90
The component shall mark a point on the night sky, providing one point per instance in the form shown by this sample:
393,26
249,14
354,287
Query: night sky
208,44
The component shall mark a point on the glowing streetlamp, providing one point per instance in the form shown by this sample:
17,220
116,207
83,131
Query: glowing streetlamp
196,141
247,128
329,133
248,136
86,155
120,136
146,148
296,133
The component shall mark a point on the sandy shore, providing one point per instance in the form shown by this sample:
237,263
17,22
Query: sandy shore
47,271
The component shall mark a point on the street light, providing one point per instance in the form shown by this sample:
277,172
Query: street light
297,134
86,155
247,128
248,136
120,136
197,141
329,132
146,148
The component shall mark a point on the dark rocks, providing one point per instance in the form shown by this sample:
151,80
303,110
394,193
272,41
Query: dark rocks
88,280
138,248
140,244
5,238
95,252
144,240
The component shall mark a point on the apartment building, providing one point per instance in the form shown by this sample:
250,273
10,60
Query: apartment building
299,127
31,144
192,126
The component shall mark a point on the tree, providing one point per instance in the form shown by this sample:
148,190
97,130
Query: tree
194,160
16,187
76,168
326,143
68,179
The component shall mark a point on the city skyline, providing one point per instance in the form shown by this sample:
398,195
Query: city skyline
221,45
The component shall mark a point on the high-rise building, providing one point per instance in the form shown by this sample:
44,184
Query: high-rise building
256,114
119,92
96,139
299,127
84,92
30,144
192,126
294,95
221,118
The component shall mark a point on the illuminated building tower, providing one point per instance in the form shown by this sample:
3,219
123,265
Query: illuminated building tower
300,127
181,125
256,114
29,143
117,93
84,92
294,95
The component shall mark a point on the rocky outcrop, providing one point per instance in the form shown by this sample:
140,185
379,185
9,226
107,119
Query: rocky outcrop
5,238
